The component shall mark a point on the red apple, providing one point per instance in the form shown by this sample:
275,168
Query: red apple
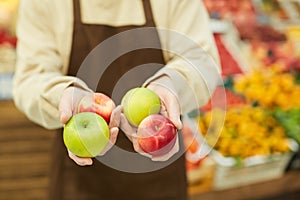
156,134
98,103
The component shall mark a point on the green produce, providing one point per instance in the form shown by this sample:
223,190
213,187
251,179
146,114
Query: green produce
138,103
290,121
86,134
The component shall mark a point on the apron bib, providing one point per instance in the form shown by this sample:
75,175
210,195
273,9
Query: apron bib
70,181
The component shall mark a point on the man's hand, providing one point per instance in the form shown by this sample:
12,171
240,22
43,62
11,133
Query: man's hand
130,132
68,107
170,108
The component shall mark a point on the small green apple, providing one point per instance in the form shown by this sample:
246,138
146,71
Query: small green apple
86,134
139,103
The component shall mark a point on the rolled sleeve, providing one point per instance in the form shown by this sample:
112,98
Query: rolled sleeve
190,53
38,80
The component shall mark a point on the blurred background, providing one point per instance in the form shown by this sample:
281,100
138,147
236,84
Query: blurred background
24,146
255,150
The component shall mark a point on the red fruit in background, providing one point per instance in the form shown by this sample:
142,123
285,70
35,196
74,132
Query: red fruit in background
156,135
190,142
229,64
6,38
231,99
191,146
98,103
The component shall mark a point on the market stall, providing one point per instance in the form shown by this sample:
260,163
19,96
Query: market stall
256,139
8,15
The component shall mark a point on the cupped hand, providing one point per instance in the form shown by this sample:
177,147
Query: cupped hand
68,107
170,108
131,132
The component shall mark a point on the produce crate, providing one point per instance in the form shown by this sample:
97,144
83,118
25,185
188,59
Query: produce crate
231,172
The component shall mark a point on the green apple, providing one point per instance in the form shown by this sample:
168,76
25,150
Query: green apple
86,134
139,103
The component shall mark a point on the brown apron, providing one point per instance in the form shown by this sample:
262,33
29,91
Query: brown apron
99,181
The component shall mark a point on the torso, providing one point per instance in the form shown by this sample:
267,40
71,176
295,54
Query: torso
100,181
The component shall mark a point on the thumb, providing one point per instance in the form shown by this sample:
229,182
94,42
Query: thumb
65,109
173,110
175,118
115,117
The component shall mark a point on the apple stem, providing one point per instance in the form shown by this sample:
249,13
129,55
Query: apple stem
85,125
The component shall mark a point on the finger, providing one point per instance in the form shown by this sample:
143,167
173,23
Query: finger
68,103
138,149
136,145
113,134
115,117
80,161
163,110
65,109
173,109
125,126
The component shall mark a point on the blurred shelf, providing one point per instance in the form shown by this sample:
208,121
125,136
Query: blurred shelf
24,155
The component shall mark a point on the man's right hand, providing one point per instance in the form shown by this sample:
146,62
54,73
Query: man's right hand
68,107
69,101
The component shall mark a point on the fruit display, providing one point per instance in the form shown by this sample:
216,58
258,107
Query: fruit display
257,128
223,98
227,60
192,146
273,8
289,120
273,80
269,87
248,17
247,131
239,11
261,113
283,54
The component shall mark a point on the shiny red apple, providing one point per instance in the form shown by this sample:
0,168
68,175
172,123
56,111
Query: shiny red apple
98,103
156,134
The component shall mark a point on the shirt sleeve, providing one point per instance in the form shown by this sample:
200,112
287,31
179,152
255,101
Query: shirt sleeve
38,79
189,49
